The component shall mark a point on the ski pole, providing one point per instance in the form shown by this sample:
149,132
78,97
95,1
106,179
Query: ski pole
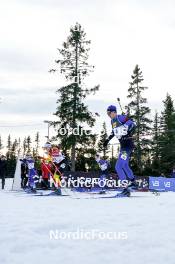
50,173
56,169
121,108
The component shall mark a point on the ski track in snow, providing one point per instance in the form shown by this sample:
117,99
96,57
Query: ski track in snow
25,223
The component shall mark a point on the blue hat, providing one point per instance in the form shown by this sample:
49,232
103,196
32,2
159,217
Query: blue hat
112,108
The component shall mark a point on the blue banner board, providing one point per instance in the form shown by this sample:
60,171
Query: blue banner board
162,184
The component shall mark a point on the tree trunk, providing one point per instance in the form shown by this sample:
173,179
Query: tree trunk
73,158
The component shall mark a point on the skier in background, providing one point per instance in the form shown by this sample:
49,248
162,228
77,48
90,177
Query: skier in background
3,169
123,129
33,178
104,166
46,167
24,174
58,162
173,173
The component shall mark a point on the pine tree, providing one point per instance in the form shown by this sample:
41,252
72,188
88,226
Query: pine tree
85,158
103,137
28,143
19,145
1,145
167,138
139,113
11,156
14,148
155,151
9,143
37,140
24,146
9,147
71,110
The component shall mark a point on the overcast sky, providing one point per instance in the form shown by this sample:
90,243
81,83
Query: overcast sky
123,33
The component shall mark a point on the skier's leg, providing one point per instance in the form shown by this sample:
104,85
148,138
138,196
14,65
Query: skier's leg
102,182
129,173
25,181
32,179
3,181
103,177
22,181
45,183
119,168
29,179
57,178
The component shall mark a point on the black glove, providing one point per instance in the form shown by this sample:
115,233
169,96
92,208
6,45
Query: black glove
105,143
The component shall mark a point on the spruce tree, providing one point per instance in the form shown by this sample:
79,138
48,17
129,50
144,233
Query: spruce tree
37,140
72,111
139,113
24,146
167,138
85,154
14,148
155,150
1,145
9,147
11,156
103,137
19,146
28,144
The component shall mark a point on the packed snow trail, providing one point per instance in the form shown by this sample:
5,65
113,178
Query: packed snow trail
26,222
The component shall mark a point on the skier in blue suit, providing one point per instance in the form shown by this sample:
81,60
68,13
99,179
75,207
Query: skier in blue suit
104,166
122,128
32,174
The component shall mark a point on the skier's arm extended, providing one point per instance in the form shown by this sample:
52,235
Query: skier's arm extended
108,139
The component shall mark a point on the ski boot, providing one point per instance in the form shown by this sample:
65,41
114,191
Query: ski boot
125,193
30,190
133,186
102,191
58,191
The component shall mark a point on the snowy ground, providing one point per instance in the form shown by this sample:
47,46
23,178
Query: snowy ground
26,222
